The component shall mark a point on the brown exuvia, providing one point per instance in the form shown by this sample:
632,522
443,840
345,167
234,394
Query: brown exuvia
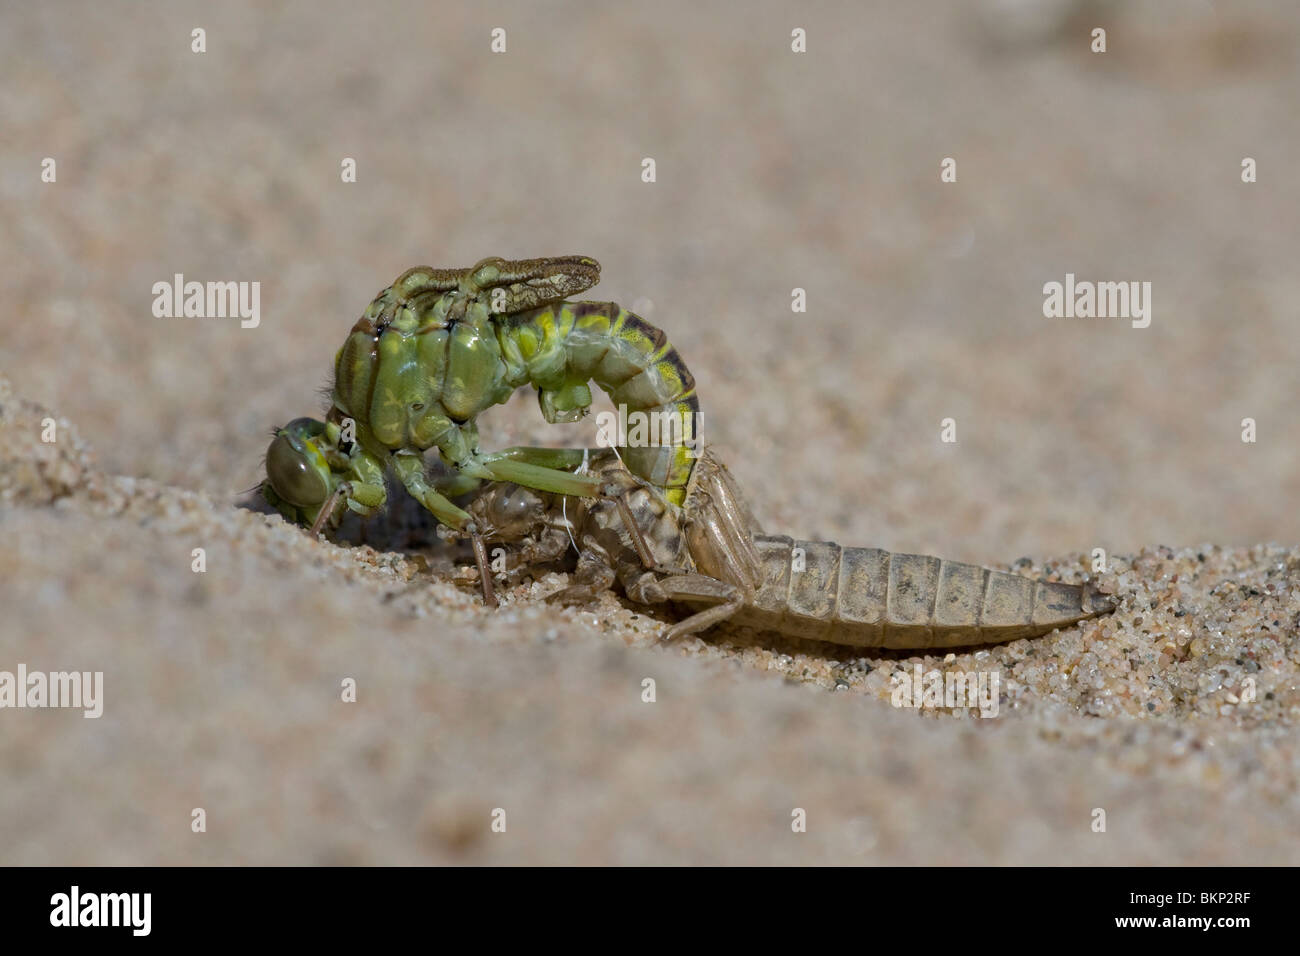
710,556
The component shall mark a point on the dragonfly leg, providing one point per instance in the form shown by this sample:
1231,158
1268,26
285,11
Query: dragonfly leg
539,477
362,497
326,510
366,498
410,470
484,571
566,461
455,484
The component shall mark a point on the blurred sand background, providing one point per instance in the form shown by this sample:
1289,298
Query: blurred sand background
775,170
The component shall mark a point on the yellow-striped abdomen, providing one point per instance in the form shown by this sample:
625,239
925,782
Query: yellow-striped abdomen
561,347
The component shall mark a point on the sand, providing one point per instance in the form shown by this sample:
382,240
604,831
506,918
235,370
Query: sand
1176,716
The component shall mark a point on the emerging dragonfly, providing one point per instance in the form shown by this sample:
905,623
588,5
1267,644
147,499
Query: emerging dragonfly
440,346
710,555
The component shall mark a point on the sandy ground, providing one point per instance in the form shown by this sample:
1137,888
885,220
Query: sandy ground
775,170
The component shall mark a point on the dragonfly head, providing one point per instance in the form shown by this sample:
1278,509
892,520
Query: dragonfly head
298,473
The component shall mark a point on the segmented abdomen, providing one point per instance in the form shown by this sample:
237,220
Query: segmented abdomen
872,598
571,343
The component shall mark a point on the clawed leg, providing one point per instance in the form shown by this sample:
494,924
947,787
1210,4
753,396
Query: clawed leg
660,586
410,469
363,497
559,470
634,532
484,570
593,575
691,588
554,470
341,490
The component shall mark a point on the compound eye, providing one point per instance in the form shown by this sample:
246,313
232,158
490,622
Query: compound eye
292,475
516,510
301,428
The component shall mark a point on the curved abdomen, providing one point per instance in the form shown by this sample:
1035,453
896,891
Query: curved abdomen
872,598
568,344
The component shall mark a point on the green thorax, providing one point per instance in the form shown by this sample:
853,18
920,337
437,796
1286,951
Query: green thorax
417,369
